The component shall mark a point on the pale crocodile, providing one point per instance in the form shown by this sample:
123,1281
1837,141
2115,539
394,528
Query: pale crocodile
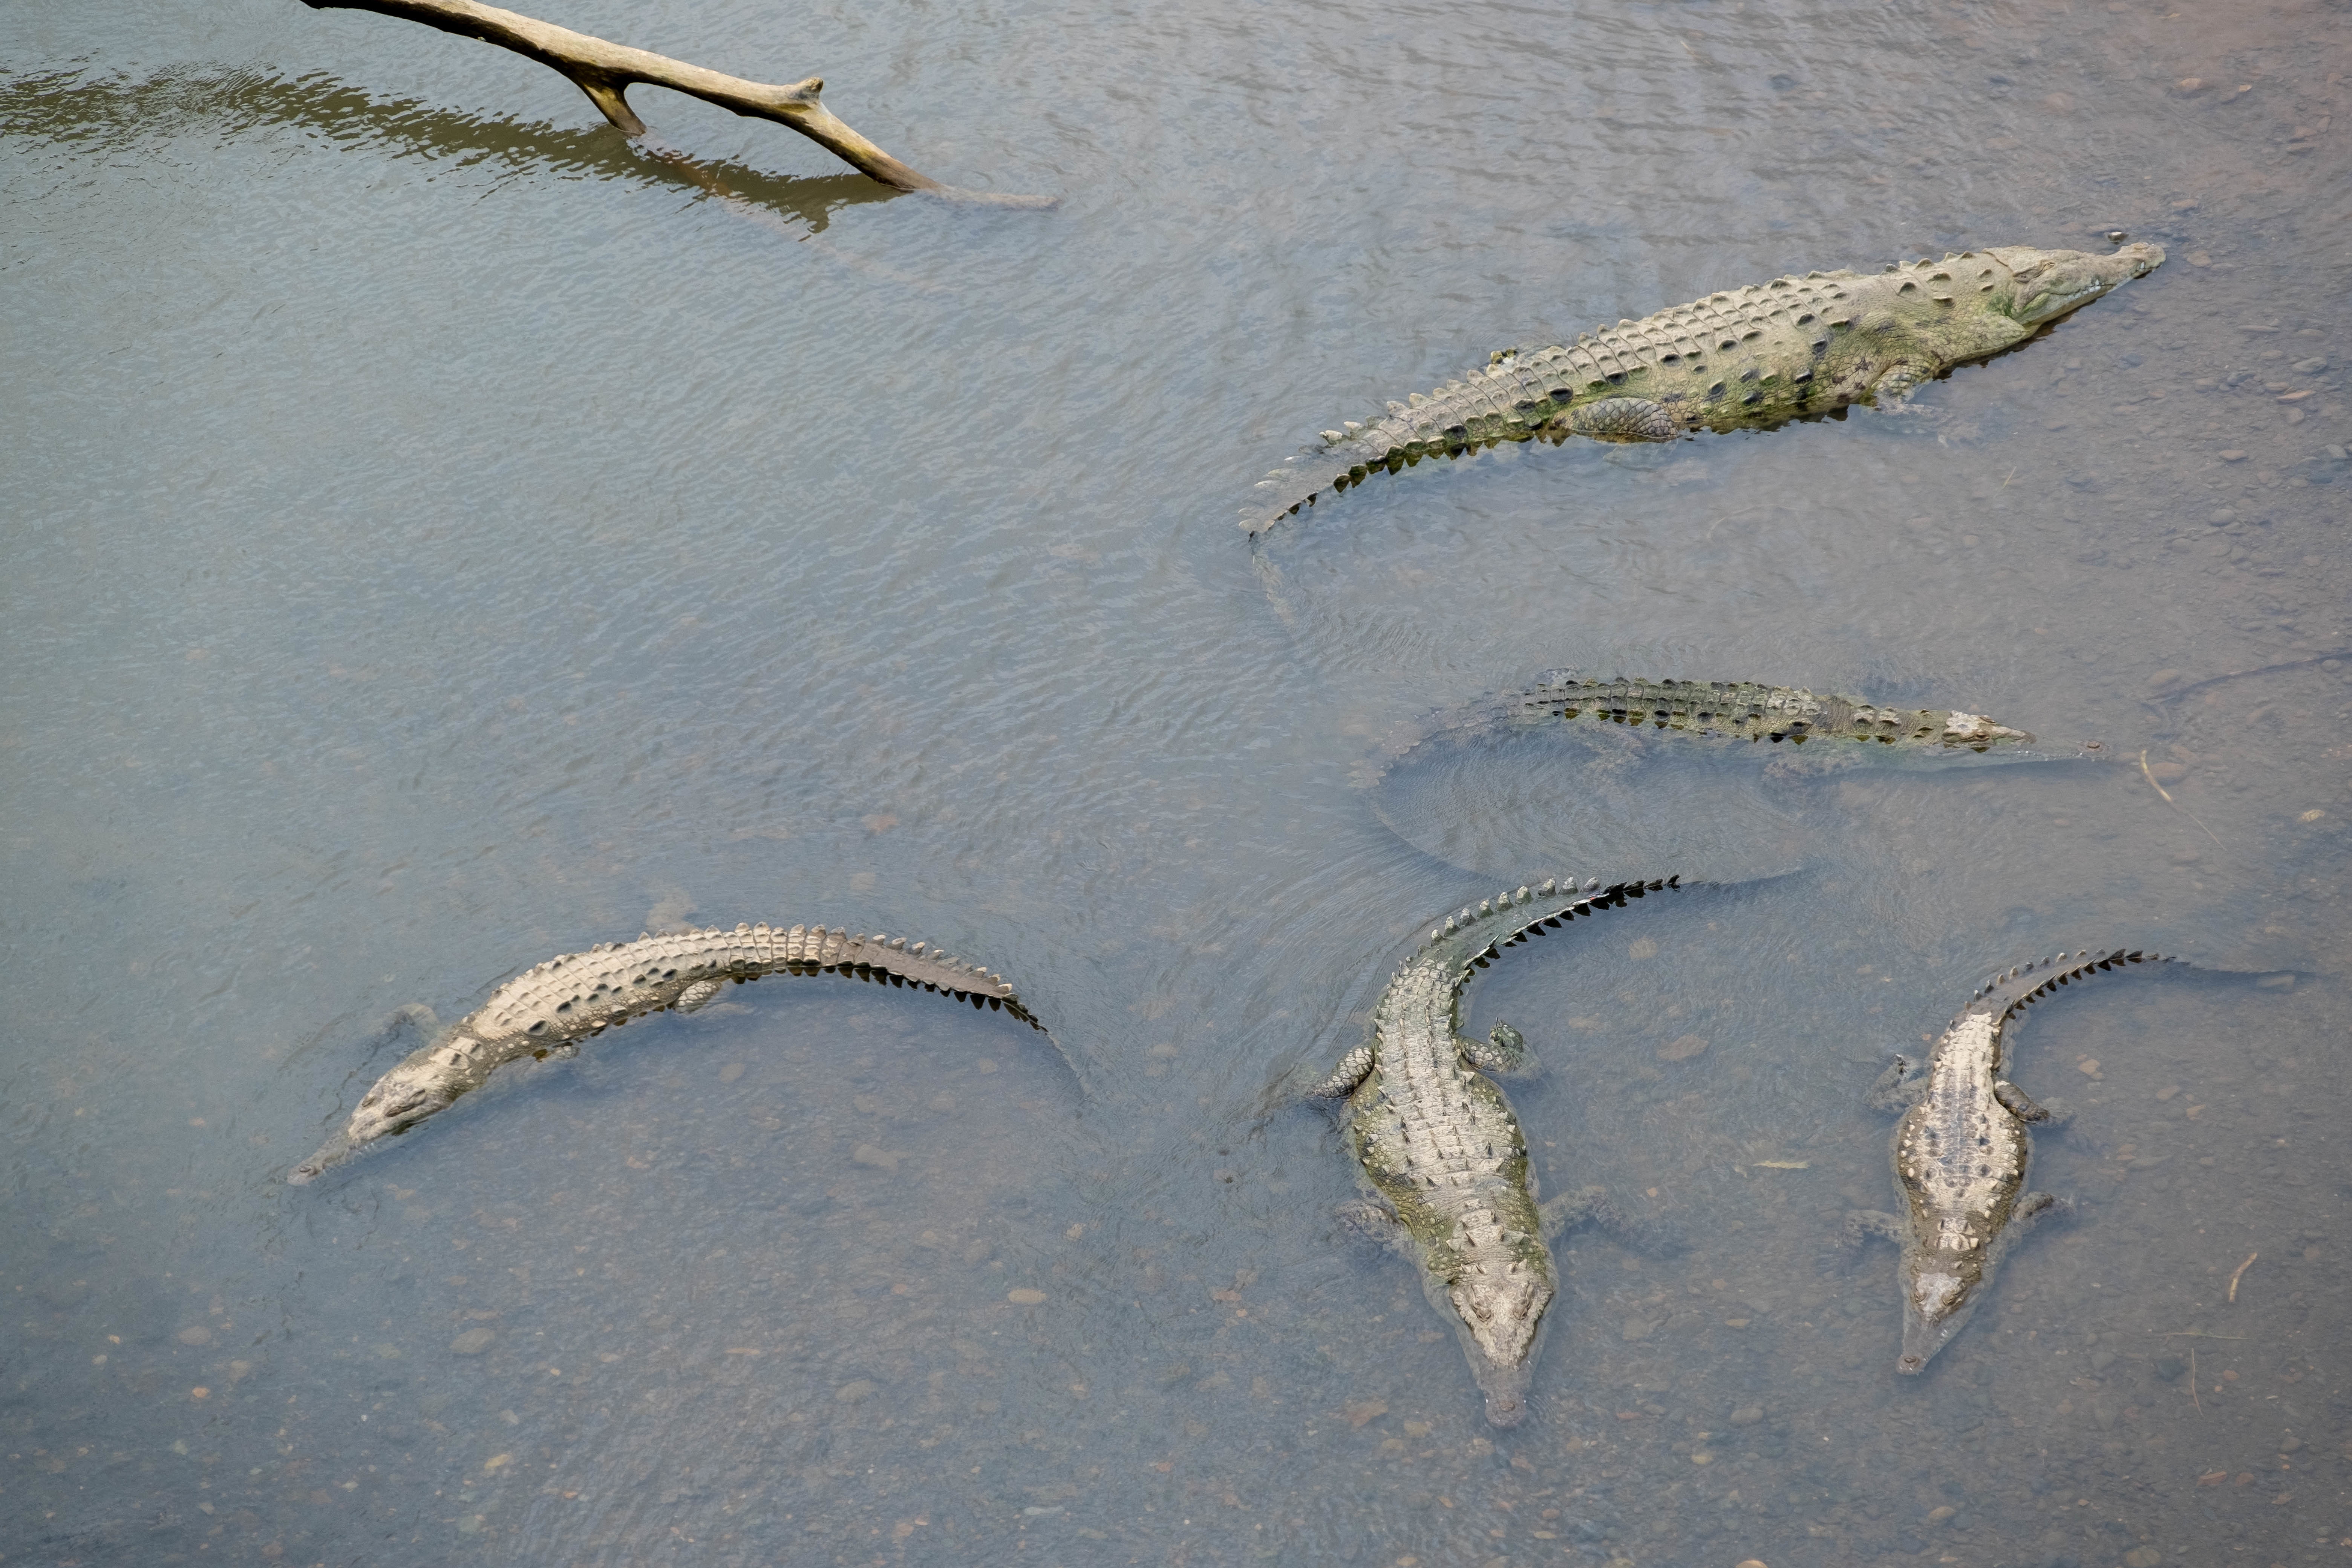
554,1005
1724,710
1960,1154
1749,359
1441,1150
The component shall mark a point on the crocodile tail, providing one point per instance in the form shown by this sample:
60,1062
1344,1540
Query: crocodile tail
2005,995
890,960
1474,938
1517,395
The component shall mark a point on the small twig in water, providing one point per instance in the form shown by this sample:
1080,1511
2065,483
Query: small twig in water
2013,474
2193,1382
2172,803
2193,1334
2241,1274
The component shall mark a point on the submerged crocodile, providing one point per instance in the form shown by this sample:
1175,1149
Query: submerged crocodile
1442,1152
1747,360
554,1005
1960,1154
1727,711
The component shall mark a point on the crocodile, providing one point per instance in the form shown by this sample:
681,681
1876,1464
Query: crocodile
552,1006
1441,1151
1724,710
1960,1153
1749,359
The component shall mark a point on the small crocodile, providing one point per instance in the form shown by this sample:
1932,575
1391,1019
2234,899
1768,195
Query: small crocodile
1441,1150
554,1005
1960,1153
1727,710
1750,359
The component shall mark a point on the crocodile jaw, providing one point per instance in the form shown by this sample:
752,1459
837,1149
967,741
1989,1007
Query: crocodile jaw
1501,1310
1976,730
403,1097
1939,1298
2050,283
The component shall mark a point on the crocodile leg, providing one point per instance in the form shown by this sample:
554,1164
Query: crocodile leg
1623,419
416,1015
1898,1087
2018,1103
1504,1053
1352,1070
1369,1221
1861,1225
1591,1205
1891,392
2035,1208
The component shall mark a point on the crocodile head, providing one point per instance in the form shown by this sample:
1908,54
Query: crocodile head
1500,1308
2050,283
403,1097
1937,1301
1974,730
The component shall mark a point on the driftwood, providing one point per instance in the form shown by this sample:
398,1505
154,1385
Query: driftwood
606,71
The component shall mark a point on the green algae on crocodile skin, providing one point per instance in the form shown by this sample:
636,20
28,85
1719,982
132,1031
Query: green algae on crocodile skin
1440,1149
1749,359
1723,710
1960,1153
554,1005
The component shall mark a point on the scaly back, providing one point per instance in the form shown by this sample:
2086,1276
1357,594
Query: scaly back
580,993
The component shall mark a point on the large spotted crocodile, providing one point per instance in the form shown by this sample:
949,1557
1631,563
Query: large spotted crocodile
1441,1150
1745,360
554,1005
1960,1153
1846,728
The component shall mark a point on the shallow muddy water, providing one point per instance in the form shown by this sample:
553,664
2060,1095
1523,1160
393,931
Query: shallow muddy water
440,535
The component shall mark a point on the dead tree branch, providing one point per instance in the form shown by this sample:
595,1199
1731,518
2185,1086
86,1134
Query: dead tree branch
606,71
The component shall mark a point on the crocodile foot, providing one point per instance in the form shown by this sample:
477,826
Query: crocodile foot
1898,1087
1366,1221
2042,1208
1504,1053
1865,1224
2018,1103
415,1016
